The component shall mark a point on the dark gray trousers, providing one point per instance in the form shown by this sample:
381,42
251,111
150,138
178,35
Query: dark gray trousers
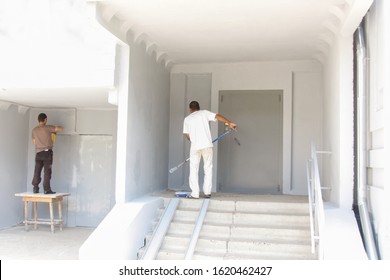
43,160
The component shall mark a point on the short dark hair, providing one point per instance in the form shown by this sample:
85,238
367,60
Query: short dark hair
42,117
194,105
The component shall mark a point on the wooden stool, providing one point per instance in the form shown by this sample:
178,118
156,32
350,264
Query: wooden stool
48,198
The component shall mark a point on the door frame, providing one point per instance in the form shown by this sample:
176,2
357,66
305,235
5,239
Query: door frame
287,135
248,94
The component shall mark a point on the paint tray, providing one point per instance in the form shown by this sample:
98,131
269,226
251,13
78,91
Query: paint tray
182,194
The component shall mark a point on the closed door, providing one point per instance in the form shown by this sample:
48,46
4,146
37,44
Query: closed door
250,160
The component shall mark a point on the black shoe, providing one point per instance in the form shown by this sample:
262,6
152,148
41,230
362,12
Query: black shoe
35,190
49,192
207,196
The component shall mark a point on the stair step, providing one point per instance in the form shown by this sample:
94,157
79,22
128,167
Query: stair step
170,254
265,219
206,244
229,245
271,219
222,205
247,206
190,204
272,207
185,216
266,246
221,218
181,228
252,256
176,241
258,233
207,229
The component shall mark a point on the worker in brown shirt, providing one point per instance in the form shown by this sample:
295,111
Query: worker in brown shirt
43,141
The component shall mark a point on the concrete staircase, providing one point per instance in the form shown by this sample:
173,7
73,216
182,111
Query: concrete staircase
239,229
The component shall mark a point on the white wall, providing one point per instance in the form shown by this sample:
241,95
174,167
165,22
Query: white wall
306,123
13,162
266,76
338,122
331,124
127,225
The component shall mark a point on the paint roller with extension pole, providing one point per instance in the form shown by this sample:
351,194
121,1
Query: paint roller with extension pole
173,169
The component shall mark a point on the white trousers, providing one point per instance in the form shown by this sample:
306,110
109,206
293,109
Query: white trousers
195,157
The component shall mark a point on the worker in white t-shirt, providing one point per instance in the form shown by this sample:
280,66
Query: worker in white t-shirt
197,130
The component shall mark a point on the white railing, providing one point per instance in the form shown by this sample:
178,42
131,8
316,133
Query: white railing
316,204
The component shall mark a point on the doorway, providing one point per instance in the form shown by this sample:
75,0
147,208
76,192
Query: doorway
250,160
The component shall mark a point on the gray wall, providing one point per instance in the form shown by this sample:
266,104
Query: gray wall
301,82
148,122
83,164
184,89
13,163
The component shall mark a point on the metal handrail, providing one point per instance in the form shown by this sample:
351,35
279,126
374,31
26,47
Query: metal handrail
159,233
316,204
197,229
309,194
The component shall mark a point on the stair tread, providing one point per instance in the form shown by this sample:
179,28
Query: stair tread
265,226
262,240
271,213
238,255
247,240
248,256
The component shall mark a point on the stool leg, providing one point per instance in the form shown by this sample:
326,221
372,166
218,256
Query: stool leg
60,213
51,217
35,215
25,215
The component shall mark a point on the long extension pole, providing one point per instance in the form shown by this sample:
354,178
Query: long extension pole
173,169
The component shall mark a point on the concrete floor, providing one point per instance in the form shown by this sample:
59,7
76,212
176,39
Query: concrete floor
18,244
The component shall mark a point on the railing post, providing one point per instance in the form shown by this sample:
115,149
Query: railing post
317,216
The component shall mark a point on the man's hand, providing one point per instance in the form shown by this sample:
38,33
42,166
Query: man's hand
233,126
225,120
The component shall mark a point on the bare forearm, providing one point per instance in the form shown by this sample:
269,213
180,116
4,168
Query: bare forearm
222,118
225,120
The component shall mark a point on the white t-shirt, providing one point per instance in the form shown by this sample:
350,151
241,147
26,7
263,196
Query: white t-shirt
197,126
